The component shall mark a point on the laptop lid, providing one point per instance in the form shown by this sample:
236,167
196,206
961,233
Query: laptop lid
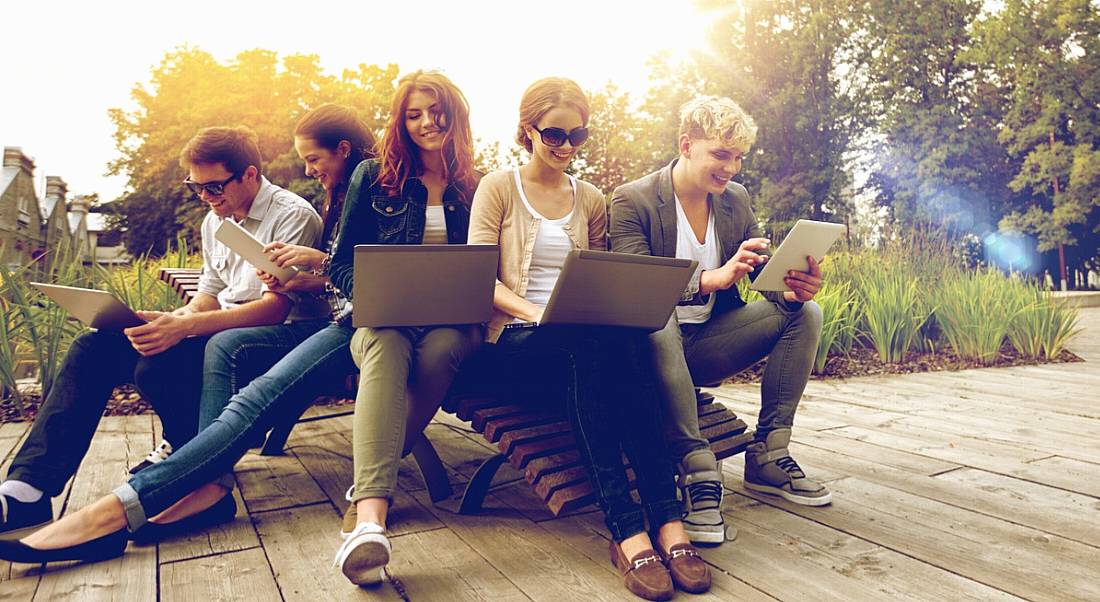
617,289
97,309
423,285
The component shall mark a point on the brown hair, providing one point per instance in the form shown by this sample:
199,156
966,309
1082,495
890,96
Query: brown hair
398,155
330,124
234,147
542,96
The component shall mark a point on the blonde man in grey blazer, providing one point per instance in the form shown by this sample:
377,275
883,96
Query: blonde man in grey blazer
691,209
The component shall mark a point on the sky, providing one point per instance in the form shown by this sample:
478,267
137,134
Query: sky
66,63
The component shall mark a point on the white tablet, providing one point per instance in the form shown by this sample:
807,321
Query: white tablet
807,239
232,235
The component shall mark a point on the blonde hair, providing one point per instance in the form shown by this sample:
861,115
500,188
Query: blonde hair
542,96
718,118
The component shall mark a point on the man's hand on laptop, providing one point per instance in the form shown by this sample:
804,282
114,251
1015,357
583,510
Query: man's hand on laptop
161,332
743,261
272,283
286,255
804,285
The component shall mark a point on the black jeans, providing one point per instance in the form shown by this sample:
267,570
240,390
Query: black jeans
97,362
613,408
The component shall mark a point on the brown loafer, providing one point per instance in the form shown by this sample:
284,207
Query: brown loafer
687,568
644,575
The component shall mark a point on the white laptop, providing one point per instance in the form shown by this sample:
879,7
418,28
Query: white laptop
98,309
234,236
423,285
616,289
807,239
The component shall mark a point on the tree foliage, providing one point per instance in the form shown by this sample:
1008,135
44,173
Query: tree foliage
190,90
1043,57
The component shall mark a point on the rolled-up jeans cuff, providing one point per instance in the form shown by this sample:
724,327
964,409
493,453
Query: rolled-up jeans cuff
663,512
131,503
625,524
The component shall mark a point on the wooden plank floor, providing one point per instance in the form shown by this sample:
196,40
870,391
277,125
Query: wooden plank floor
975,485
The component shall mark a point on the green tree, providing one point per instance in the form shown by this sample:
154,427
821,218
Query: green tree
1044,57
936,159
782,61
190,90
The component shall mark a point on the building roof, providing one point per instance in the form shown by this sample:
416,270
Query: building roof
7,178
74,222
46,206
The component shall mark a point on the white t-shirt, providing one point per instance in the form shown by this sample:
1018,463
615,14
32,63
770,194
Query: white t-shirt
552,244
706,253
435,226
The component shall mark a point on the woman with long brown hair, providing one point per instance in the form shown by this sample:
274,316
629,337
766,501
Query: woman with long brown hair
417,191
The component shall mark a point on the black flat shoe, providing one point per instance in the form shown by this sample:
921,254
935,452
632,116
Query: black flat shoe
223,511
109,546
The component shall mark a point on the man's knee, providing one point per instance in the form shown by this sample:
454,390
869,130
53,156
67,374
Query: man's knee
811,317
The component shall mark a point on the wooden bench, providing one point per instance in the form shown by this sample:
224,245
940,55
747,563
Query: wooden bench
539,443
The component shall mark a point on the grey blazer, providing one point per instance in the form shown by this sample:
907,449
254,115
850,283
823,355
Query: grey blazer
643,221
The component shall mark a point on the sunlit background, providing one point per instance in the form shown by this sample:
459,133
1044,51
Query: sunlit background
67,63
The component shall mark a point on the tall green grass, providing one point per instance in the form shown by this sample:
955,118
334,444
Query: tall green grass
1041,326
839,309
975,310
35,328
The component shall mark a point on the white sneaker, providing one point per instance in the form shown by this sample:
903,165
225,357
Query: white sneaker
158,455
364,554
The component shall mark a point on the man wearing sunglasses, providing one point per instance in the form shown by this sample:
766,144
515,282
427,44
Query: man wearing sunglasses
164,357
691,209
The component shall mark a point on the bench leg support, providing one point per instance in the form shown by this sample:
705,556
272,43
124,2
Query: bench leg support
479,485
431,468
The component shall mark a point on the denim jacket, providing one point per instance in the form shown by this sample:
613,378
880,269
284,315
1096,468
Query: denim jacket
371,217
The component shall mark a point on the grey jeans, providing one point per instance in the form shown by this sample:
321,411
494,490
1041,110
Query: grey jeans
687,355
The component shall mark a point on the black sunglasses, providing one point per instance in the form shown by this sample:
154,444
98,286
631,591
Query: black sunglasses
211,188
557,136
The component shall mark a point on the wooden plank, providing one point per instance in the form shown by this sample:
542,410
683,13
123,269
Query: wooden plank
965,451
242,575
119,443
326,460
275,482
516,546
883,456
1063,473
793,558
1043,566
432,565
220,539
1053,511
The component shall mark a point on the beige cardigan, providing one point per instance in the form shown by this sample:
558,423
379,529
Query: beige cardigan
499,217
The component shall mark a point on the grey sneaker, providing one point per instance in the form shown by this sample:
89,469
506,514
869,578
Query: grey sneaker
701,489
769,468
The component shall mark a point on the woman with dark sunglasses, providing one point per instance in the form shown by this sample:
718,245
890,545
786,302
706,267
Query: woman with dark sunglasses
425,161
537,214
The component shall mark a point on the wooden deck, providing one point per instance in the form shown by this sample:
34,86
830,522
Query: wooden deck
979,485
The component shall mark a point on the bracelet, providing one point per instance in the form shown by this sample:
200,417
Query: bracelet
326,263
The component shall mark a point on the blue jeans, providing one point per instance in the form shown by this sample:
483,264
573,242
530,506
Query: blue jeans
608,395
237,356
314,365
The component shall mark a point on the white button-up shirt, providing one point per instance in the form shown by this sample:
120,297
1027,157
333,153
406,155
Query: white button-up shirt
275,215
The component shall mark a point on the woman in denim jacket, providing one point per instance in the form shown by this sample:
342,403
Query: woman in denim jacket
190,488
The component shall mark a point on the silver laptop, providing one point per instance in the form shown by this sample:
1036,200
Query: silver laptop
97,309
423,285
617,289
